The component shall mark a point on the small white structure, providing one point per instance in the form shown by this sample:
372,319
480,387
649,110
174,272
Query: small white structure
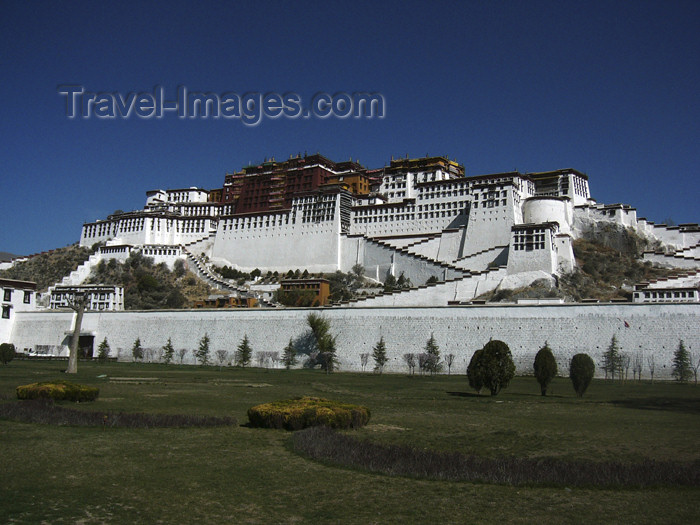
681,288
16,296
666,295
101,297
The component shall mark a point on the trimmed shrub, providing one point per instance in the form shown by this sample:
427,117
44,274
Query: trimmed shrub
476,381
400,460
303,412
581,372
545,367
58,391
493,367
7,352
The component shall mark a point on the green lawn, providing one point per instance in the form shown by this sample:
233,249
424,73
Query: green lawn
242,475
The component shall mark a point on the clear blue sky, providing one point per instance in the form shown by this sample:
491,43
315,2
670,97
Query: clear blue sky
609,88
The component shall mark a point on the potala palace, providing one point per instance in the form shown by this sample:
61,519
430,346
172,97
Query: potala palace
455,237
418,217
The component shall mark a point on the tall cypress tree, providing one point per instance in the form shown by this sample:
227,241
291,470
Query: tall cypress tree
379,355
244,352
681,363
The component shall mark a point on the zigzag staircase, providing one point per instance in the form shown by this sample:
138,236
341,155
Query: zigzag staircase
398,296
203,272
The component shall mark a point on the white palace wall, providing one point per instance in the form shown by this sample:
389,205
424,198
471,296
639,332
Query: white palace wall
569,329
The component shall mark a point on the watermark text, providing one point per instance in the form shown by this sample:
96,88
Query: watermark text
250,108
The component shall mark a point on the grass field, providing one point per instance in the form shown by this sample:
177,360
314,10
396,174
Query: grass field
236,474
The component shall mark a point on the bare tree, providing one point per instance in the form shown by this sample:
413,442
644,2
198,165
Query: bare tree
422,362
410,360
78,299
274,357
77,303
363,360
637,366
181,354
652,365
625,362
221,357
260,357
695,364
449,359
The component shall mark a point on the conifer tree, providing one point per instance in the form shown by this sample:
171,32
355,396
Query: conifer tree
379,355
103,350
433,351
325,342
244,352
202,353
289,356
612,360
168,351
681,363
137,350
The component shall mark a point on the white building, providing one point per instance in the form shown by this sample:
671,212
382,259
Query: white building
17,296
100,297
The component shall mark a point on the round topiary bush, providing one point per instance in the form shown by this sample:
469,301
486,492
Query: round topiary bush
58,391
7,352
298,413
581,372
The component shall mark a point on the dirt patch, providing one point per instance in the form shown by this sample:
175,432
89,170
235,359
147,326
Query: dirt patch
378,427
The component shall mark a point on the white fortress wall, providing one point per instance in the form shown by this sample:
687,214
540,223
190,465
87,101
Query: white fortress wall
672,261
429,248
461,289
538,210
487,228
148,230
380,259
480,261
676,236
409,218
163,253
449,244
569,329
533,248
279,241
313,247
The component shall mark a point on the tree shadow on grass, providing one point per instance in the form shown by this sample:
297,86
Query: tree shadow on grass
670,404
540,396
466,394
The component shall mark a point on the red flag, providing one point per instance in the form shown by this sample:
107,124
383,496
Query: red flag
627,325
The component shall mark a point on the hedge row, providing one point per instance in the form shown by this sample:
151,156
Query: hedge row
398,460
58,391
298,413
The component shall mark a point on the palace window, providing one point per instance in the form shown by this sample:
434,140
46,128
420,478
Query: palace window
8,296
528,240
